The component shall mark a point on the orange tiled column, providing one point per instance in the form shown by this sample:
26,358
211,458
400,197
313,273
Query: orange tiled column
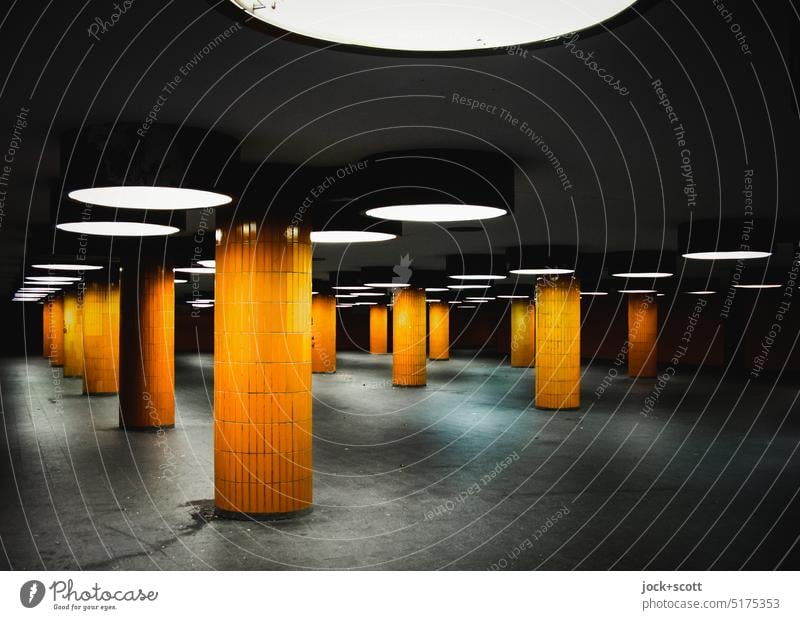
46,329
147,345
378,324
558,343
323,333
56,329
73,337
438,331
100,318
523,333
642,335
262,365
408,326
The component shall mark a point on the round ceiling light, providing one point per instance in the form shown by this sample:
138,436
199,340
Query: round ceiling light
53,279
435,213
366,303
118,229
180,281
727,255
467,307
425,26
67,267
434,289
386,284
463,287
345,305
349,236
701,292
756,286
477,277
25,299
480,298
350,288
512,297
151,198
637,291
643,274
210,263
368,294
197,270
36,289
544,271
593,293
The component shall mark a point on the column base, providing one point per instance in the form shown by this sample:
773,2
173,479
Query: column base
409,386
557,408
146,429
262,516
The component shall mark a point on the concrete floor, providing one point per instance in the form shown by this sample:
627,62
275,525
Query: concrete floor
463,474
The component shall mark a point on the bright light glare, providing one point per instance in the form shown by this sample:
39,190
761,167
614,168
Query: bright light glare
67,267
643,274
544,271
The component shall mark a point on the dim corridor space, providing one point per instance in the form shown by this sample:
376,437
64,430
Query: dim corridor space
462,473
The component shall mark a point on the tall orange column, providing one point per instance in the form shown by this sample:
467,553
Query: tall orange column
323,333
642,335
100,318
262,364
147,344
408,327
56,329
46,329
438,331
73,336
378,324
558,343
523,333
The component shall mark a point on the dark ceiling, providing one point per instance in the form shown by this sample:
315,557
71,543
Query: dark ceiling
300,102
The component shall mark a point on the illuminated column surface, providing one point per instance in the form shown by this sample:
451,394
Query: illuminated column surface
146,344
100,319
262,365
439,331
558,343
408,326
378,324
642,335
56,328
46,329
323,333
523,333
73,337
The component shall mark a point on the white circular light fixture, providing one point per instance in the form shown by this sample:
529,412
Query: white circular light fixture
467,287
467,307
196,270
36,289
756,286
643,274
543,271
425,26
480,298
701,292
455,302
512,297
436,213
593,293
345,305
67,267
386,284
350,288
344,296
349,236
25,299
53,279
434,289
209,263
118,229
179,281
727,255
151,198
368,294
366,303
637,291
477,277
